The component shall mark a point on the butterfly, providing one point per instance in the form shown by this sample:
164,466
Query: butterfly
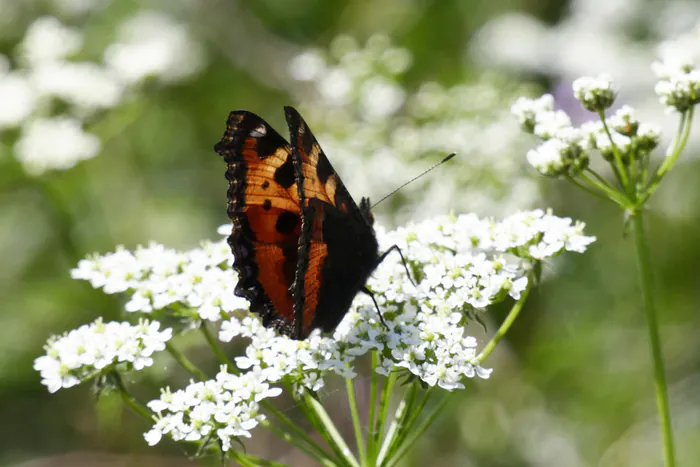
303,248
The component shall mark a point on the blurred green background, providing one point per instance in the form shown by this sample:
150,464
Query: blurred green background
571,386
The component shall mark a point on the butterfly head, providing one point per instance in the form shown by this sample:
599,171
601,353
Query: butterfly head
366,212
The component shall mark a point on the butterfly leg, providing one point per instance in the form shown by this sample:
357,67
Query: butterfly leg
403,260
366,291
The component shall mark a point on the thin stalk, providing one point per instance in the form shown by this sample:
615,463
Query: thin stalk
371,419
296,435
130,401
619,165
507,323
414,413
612,193
418,432
316,422
335,437
356,422
403,423
660,390
672,154
589,189
185,363
392,432
314,450
387,389
255,461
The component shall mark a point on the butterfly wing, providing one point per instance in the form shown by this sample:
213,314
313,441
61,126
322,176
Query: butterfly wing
338,248
263,204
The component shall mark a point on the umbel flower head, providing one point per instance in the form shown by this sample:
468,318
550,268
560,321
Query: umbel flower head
94,348
463,265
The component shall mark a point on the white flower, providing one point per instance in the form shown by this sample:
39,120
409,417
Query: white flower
151,44
226,406
85,85
624,121
18,99
83,352
381,98
527,110
679,78
549,123
548,158
595,94
47,40
54,144
307,66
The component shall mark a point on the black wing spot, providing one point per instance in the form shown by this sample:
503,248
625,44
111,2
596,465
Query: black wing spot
324,170
284,175
267,205
286,222
265,185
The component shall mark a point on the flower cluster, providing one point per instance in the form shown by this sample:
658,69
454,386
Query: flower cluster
359,106
197,284
93,348
595,94
221,409
565,149
148,45
678,72
464,264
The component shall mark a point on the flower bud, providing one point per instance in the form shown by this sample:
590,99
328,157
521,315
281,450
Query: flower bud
595,94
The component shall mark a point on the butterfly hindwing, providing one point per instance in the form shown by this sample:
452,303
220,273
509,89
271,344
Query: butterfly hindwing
338,247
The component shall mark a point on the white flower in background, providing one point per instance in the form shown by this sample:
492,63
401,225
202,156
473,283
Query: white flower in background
17,99
84,352
358,106
54,144
150,44
307,66
381,98
549,124
595,94
226,407
527,110
86,85
47,40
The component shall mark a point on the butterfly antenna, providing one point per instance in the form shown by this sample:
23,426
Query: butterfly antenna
417,177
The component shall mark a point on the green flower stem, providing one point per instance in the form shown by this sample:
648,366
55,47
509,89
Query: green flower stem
507,323
216,348
589,189
609,191
356,422
130,401
410,415
674,151
418,432
414,413
392,432
312,449
185,363
315,421
336,439
371,419
647,283
619,165
387,389
249,460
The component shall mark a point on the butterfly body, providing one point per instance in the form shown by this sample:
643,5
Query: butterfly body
303,248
